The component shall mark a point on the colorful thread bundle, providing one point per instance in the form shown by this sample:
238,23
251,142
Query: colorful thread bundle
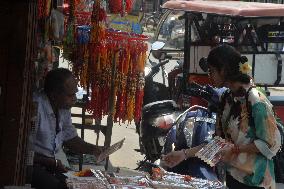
104,59
125,54
120,6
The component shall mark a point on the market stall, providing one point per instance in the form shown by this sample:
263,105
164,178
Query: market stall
109,65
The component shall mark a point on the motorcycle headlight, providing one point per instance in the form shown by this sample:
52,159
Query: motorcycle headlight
147,70
164,122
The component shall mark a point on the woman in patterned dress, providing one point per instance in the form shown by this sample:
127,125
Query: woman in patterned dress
246,120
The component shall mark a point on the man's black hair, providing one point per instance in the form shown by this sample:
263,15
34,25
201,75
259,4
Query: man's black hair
55,80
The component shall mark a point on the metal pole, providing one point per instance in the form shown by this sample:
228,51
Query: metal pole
163,74
187,39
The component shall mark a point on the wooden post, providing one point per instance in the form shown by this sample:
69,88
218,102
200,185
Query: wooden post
98,124
111,110
17,36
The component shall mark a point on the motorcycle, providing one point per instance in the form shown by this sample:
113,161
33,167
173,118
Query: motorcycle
158,112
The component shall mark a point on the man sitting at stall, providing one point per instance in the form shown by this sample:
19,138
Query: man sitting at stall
54,128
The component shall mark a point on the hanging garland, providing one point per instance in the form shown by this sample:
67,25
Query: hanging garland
141,84
98,66
120,6
126,54
43,8
80,66
103,59
68,41
40,8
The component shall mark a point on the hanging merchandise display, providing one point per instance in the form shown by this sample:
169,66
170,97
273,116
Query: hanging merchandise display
106,60
49,35
68,41
83,18
43,8
80,66
119,62
97,70
82,10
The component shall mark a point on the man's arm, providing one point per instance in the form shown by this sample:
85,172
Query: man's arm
78,145
50,163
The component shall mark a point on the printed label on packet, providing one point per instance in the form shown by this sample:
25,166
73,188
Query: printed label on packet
208,153
204,148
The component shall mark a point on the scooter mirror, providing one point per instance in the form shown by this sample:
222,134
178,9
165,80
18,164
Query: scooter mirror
157,45
147,71
203,64
163,56
160,55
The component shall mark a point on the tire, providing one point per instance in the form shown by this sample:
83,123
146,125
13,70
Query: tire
151,24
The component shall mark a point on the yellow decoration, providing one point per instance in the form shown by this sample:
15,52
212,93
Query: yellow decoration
245,68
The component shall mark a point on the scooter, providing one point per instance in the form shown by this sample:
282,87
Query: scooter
158,112
192,128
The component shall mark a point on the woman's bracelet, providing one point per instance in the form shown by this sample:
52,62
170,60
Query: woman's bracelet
184,151
56,163
236,149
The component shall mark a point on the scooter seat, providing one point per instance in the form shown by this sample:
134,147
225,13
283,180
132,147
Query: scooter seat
159,105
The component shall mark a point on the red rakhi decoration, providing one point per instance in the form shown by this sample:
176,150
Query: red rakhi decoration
40,8
102,15
111,60
126,54
43,8
117,6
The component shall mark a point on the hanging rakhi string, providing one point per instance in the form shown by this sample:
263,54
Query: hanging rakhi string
80,66
140,82
129,71
69,38
120,6
98,63
122,82
43,8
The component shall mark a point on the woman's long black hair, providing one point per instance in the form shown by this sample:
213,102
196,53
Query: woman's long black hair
228,58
